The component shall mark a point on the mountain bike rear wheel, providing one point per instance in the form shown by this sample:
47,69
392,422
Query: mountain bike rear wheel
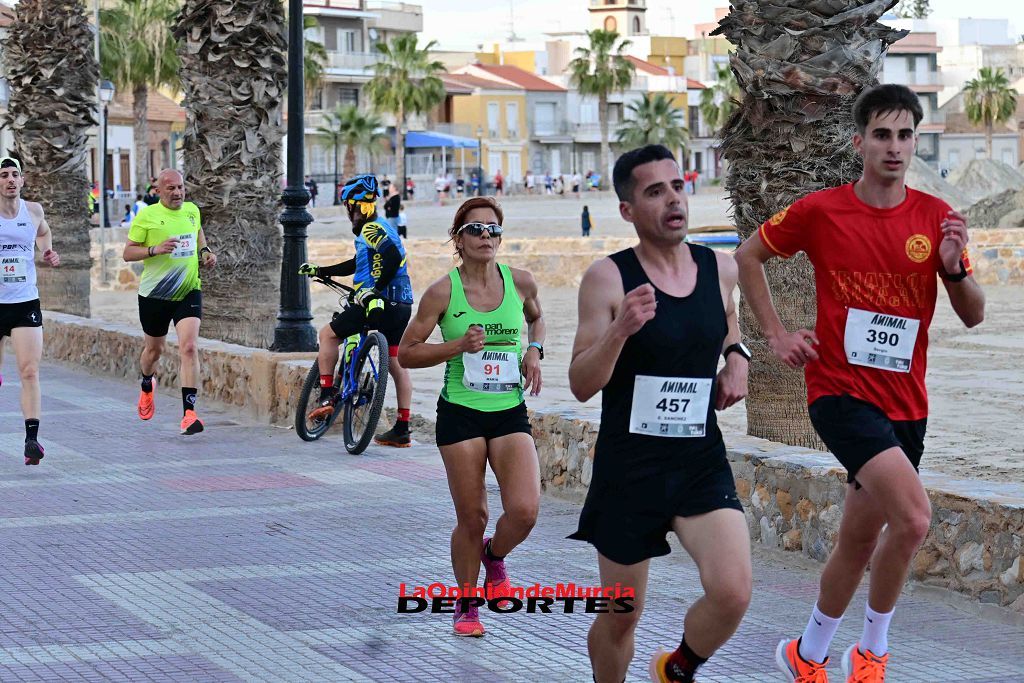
307,429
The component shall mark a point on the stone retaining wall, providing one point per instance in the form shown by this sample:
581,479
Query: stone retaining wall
792,496
793,499
998,257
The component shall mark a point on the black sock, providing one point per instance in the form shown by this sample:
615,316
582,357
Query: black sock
683,663
491,556
147,383
188,398
31,430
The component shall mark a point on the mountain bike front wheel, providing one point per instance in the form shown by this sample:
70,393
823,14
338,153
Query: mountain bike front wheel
363,407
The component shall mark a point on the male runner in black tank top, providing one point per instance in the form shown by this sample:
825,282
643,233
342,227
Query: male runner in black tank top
654,320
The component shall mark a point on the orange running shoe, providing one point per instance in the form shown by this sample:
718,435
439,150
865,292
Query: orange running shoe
146,402
190,424
467,624
796,668
864,667
658,668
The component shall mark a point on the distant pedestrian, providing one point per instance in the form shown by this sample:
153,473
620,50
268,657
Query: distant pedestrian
585,221
126,219
548,182
400,222
460,187
499,183
530,182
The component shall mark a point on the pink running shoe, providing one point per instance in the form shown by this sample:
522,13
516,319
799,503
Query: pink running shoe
495,577
467,624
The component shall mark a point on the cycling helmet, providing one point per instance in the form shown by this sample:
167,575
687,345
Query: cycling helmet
362,188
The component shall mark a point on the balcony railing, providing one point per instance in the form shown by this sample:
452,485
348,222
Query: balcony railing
913,78
352,60
551,128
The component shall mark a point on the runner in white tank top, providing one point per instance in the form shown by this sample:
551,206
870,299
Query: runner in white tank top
22,227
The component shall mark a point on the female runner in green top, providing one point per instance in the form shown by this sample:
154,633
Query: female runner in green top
480,307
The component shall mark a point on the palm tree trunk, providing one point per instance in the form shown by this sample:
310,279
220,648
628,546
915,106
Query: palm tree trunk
233,76
988,138
350,161
52,73
400,149
791,135
140,103
602,117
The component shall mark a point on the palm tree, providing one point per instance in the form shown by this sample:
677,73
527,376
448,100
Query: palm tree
233,72
718,102
52,72
791,135
354,129
405,81
138,52
598,71
654,120
315,59
989,99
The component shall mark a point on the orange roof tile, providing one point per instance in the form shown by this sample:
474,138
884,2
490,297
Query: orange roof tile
520,77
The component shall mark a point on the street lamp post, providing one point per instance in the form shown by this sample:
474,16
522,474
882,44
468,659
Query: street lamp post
294,331
106,94
479,160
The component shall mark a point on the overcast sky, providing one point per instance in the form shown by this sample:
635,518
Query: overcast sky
463,24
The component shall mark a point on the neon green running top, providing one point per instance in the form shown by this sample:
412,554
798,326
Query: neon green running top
489,380
168,276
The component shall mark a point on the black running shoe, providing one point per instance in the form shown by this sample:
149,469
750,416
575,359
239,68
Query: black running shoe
394,439
33,452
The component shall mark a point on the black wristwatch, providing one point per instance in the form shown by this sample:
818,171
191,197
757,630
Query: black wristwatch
740,348
206,249
958,276
538,346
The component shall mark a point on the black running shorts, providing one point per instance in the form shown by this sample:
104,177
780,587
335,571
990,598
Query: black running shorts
628,520
21,314
457,423
156,315
391,322
856,431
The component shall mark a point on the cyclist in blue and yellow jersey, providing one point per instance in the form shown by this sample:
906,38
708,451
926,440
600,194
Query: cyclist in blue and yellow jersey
383,295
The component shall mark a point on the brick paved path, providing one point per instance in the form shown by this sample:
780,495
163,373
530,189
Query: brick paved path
133,553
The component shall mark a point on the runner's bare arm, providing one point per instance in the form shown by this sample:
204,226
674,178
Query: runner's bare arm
792,348
44,238
732,380
526,285
414,351
607,318
965,296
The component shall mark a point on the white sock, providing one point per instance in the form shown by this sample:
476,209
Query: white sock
818,636
875,636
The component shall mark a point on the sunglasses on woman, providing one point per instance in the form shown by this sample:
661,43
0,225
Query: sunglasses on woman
477,229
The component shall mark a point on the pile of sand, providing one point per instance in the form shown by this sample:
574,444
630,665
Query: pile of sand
981,178
923,177
1004,210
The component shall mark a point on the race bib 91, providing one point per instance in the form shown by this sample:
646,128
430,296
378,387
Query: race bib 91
186,246
14,269
670,406
491,372
880,341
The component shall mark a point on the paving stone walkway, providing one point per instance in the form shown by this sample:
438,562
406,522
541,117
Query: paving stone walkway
243,554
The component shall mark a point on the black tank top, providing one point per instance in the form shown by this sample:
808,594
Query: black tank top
684,339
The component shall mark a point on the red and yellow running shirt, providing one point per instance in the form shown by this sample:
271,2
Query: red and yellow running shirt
876,273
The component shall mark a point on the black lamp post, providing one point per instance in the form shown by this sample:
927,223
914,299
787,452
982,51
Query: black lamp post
294,331
479,161
106,94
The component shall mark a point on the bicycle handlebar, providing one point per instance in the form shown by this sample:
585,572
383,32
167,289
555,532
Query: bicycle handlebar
339,287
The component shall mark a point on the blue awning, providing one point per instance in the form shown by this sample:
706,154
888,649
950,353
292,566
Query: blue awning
432,139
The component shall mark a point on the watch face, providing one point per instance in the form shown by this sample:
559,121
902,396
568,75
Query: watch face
744,350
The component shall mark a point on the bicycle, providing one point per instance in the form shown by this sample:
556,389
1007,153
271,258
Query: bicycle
362,381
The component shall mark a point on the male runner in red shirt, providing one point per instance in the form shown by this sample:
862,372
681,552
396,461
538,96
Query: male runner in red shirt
878,249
